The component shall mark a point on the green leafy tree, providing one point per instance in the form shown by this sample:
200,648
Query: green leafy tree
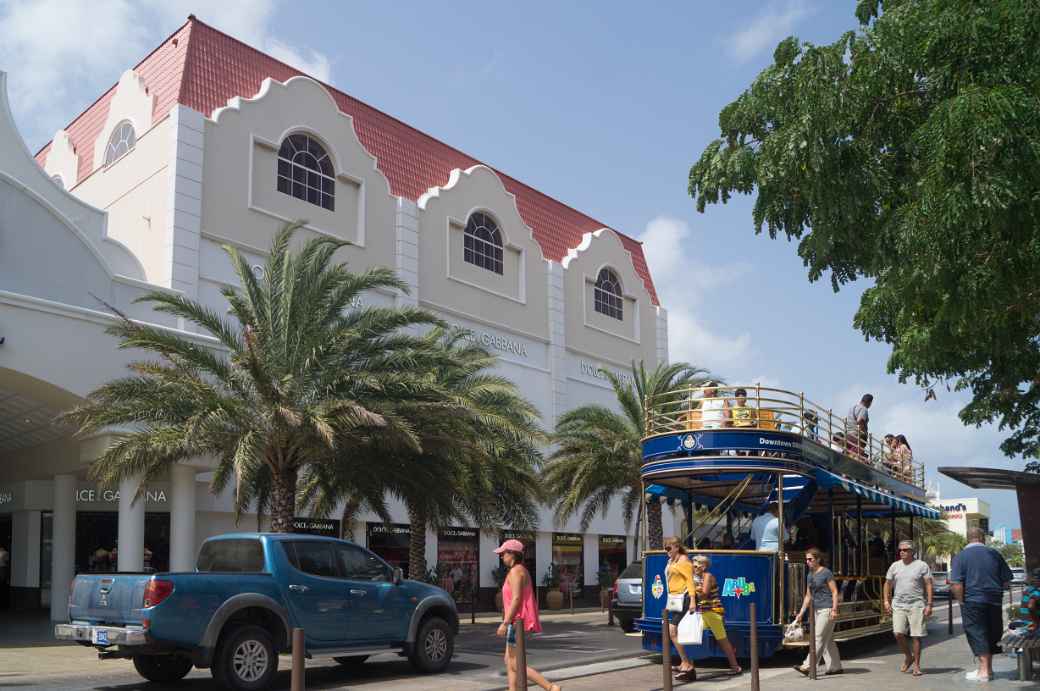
907,153
478,458
1012,554
296,377
599,450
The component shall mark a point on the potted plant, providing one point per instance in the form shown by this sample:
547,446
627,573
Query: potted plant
499,573
551,582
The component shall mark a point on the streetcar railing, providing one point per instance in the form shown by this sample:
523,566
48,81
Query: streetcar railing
768,409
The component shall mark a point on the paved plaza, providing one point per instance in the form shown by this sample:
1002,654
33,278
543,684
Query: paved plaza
579,651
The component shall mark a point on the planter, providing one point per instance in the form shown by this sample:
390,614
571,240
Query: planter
554,599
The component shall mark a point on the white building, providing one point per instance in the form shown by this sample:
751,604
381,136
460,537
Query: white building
209,142
960,515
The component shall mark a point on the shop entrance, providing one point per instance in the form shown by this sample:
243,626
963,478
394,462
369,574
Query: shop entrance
5,561
96,537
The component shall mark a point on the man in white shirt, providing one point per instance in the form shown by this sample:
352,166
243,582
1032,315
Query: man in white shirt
765,529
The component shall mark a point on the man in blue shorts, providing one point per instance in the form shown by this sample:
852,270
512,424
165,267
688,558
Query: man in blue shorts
978,579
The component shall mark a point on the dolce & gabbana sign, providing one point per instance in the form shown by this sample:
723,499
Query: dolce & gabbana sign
493,340
590,369
111,496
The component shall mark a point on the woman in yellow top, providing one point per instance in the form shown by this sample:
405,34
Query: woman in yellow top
709,604
679,574
741,414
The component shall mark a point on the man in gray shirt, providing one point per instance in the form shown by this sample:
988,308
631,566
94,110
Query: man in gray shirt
911,579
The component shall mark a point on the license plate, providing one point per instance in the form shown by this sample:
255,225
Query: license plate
100,637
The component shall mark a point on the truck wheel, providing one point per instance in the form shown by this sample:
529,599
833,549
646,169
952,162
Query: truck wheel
162,668
433,647
245,659
351,660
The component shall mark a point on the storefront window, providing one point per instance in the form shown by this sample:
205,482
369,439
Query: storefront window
530,560
97,534
612,555
458,551
391,543
569,559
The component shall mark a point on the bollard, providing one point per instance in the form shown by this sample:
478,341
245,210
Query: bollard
754,648
666,652
812,640
298,669
521,653
949,613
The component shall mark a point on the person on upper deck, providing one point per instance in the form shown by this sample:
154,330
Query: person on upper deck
741,414
857,423
765,530
715,411
902,455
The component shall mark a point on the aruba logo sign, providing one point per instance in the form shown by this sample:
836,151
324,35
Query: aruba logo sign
737,587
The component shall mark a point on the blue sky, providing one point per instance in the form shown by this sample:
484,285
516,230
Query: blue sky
603,108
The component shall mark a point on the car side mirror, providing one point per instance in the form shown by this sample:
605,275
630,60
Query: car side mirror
398,576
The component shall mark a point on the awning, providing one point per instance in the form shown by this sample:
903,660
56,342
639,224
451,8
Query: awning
829,480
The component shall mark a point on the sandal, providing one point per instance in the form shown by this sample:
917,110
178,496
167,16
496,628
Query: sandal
687,675
906,666
736,672
918,673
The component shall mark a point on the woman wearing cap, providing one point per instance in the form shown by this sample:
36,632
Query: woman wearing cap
709,604
518,601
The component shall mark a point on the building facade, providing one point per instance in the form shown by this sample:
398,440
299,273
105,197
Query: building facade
960,515
206,143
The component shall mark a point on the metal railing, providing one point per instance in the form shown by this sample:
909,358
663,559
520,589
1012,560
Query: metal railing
775,410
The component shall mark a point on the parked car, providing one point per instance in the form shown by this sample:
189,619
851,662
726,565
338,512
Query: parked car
941,584
235,613
628,596
1018,575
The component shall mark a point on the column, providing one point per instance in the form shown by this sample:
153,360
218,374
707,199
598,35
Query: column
131,526
63,545
182,517
25,562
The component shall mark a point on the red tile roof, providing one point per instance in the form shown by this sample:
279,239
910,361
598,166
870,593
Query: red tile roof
202,68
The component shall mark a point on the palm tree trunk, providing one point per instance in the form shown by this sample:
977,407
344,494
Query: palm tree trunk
653,524
416,541
283,500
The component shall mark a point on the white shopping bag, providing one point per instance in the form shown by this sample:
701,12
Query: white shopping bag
794,632
690,629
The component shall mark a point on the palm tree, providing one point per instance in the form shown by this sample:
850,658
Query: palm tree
599,451
297,376
479,452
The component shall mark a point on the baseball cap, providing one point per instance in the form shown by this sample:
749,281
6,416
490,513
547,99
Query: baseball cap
510,546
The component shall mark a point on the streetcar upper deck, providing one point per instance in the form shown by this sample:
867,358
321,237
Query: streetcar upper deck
821,433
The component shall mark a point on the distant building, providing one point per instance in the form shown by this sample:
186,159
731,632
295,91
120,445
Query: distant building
1016,534
1002,534
961,514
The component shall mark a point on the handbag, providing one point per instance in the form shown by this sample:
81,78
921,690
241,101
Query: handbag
675,602
690,630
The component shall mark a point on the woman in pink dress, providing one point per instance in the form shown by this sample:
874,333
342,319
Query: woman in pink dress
518,601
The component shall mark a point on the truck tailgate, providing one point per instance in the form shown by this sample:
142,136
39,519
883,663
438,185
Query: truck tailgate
108,598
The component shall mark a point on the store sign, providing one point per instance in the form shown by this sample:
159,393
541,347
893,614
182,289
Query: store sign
566,539
611,540
381,529
6,498
491,340
316,526
948,508
597,372
111,496
465,533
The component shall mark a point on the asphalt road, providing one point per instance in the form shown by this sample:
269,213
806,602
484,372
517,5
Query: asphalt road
477,663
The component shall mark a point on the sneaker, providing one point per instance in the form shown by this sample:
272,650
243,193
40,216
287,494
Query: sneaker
975,676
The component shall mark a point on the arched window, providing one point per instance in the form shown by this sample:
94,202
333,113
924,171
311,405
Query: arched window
122,140
482,244
305,171
606,295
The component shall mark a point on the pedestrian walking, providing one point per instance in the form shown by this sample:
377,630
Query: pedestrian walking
910,580
518,601
678,574
978,578
709,604
822,592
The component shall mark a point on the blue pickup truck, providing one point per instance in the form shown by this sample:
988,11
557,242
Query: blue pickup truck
235,613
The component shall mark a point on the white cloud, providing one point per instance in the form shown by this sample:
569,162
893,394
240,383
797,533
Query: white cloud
55,72
682,285
767,29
